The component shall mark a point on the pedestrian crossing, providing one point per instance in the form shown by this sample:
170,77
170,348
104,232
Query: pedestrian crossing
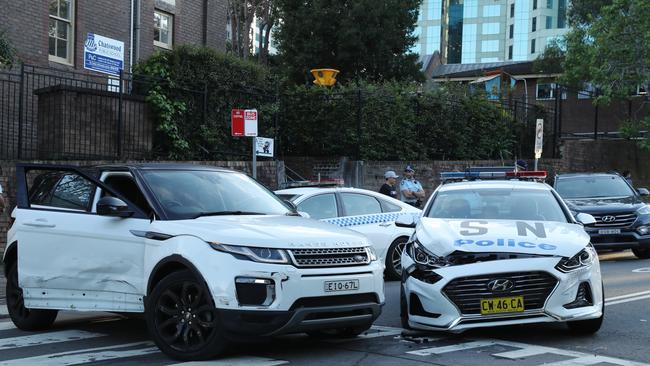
99,341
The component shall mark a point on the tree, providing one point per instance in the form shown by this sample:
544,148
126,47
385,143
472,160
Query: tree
7,52
364,39
267,18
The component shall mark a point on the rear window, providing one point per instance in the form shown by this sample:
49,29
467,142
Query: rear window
593,187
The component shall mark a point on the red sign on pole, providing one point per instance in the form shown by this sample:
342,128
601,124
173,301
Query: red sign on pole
237,122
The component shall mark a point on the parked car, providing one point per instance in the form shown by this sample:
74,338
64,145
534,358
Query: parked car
370,213
622,218
207,254
493,253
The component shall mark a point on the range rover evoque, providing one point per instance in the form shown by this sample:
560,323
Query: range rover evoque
622,218
207,254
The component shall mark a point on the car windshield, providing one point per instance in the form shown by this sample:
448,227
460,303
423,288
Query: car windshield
497,204
593,187
186,194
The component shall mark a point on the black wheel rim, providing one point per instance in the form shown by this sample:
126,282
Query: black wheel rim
15,300
396,257
184,316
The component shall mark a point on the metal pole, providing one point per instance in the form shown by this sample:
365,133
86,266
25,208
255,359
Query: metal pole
254,160
596,122
20,110
359,124
536,164
119,117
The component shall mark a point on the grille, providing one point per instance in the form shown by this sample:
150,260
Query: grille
620,220
330,257
467,292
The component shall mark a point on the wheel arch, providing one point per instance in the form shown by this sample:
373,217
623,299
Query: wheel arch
171,264
10,256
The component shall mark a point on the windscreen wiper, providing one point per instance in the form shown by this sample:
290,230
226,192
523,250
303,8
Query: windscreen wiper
226,213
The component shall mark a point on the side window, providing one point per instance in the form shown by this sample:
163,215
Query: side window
389,207
360,204
126,186
61,189
320,207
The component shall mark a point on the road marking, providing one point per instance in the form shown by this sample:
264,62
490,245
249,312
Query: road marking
452,348
84,356
235,361
7,325
3,310
627,295
641,270
522,353
46,338
593,360
381,331
627,300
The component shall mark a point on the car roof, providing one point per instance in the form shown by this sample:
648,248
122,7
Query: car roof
495,184
161,166
310,190
577,175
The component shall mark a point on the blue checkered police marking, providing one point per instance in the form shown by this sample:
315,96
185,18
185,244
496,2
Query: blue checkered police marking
348,221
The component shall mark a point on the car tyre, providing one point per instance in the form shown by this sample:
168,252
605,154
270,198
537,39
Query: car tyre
394,258
348,332
182,319
641,253
403,308
23,318
589,326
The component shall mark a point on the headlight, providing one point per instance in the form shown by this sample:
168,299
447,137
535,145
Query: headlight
422,256
371,254
645,210
581,260
262,255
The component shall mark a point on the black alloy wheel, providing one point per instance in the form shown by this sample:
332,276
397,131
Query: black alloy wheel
641,253
182,319
394,258
23,318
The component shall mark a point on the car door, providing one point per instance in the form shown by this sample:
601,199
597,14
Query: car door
69,257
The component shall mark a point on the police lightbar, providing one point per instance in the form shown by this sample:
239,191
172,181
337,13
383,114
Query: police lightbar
496,173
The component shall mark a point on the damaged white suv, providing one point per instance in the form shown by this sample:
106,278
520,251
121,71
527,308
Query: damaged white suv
207,254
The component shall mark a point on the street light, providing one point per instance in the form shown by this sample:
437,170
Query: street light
324,77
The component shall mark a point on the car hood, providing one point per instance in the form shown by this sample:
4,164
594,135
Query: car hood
443,237
604,205
269,231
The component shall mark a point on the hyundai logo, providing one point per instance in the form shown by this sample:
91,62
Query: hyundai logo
609,218
359,258
500,285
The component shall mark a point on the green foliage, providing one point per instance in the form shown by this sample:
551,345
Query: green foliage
7,52
551,60
364,39
633,129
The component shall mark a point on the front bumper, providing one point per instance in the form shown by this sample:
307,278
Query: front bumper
439,312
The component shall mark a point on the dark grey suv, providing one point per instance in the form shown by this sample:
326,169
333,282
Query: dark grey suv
622,218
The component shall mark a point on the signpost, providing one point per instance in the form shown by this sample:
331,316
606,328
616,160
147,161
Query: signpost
539,140
244,123
103,54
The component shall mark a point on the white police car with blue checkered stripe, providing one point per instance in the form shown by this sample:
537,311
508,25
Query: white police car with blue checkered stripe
370,213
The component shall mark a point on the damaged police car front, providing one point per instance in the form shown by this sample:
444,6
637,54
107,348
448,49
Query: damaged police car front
492,253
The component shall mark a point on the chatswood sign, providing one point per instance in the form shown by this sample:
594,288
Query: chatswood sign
103,54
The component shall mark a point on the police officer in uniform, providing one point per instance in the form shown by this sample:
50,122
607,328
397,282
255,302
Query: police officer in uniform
389,188
412,191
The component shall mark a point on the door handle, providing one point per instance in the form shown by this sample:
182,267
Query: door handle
385,224
39,223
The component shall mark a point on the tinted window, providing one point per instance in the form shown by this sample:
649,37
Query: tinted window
127,187
63,190
495,204
41,191
319,207
360,204
186,194
389,207
593,186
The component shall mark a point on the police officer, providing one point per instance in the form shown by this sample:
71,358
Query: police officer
389,188
412,191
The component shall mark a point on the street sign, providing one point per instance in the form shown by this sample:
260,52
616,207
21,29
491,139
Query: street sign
264,147
250,122
103,54
539,138
237,122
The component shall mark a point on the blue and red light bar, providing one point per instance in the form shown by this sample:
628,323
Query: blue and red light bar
493,173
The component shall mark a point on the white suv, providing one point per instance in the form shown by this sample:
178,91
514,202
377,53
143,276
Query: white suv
207,254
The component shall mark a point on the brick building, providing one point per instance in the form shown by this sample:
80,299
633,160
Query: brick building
52,33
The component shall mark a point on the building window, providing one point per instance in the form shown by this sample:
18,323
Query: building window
510,52
545,91
511,32
534,24
561,14
491,28
549,22
492,10
512,10
587,91
490,46
163,25
534,4
549,4
532,46
61,34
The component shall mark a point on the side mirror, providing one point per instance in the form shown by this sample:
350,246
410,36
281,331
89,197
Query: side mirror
405,221
113,206
304,214
585,219
643,191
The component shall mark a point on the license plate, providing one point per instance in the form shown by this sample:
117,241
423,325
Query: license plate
609,231
502,305
335,286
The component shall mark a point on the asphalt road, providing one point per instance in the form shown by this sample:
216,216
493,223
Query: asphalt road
106,339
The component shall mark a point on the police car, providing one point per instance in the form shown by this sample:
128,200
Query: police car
207,254
370,213
499,252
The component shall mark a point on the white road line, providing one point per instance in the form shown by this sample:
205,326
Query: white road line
627,295
593,360
452,348
3,310
85,355
380,332
7,325
607,303
522,353
235,361
46,338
